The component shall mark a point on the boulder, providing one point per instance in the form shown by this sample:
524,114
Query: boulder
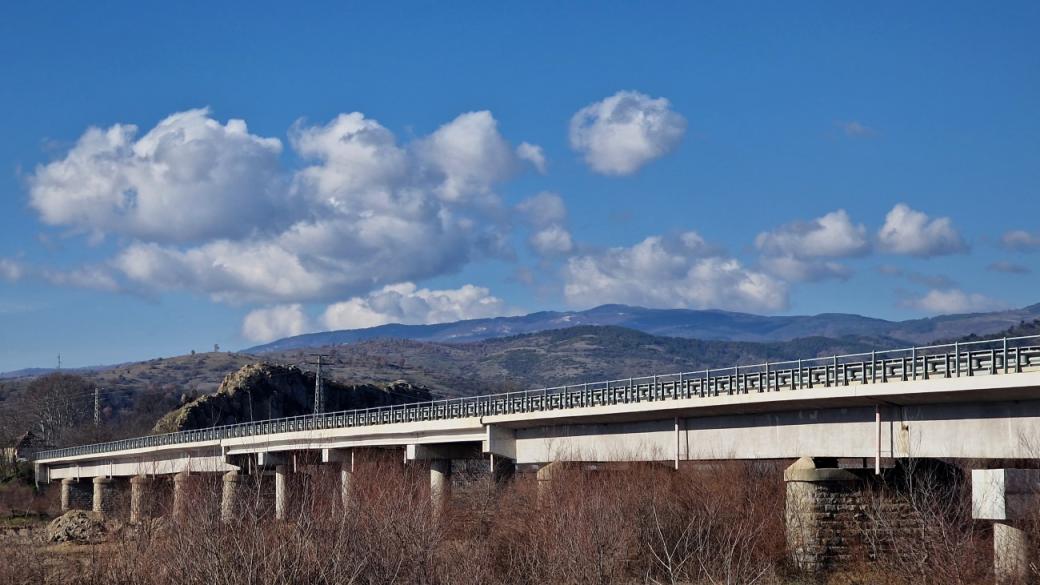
77,526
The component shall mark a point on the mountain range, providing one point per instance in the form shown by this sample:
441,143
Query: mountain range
683,323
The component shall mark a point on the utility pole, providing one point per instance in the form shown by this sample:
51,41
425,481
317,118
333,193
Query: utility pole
319,389
59,361
97,406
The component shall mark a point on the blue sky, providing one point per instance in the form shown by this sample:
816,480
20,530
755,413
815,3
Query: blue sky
187,174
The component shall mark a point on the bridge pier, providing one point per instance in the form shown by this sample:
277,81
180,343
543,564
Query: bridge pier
75,495
1008,497
231,496
440,484
104,495
281,489
818,494
182,483
142,498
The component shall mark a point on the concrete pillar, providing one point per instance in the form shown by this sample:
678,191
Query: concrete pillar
1010,553
181,487
815,489
440,483
281,473
75,495
104,495
1007,497
346,482
230,497
142,498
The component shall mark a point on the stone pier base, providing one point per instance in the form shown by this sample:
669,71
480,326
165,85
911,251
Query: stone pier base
104,500
143,501
182,487
281,488
76,495
819,504
231,497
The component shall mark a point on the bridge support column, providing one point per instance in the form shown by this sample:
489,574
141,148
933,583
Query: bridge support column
230,497
816,488
75,495
181,487
440,483
1008,497
142,498
281,485
104,495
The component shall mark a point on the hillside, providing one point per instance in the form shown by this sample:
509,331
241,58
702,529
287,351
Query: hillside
690,324
563,356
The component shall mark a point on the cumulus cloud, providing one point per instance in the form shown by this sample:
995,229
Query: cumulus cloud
907,231
268,324
945,301
798,251
552,241
546,213
407,304
468,155
681,271
533,154
209,210
1021,241
190,178
623,132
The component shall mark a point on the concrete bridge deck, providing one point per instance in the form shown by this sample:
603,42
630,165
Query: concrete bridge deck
973,400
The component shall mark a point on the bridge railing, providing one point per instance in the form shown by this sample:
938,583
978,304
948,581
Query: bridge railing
972,358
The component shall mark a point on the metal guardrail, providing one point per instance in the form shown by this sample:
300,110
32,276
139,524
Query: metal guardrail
993,356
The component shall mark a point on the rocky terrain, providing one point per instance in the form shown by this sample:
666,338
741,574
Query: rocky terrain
262,391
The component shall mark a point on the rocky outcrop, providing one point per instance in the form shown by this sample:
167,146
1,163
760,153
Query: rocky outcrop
263,391
76,526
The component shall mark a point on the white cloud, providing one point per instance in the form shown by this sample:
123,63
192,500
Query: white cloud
670,272
907,231
623,132
209,210
268,324
945,301
533,154
546,213
407,304
190,178
552,241
795,251
10,270
1021,241
830,236
467,156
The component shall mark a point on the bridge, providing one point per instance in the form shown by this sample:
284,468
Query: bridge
970,400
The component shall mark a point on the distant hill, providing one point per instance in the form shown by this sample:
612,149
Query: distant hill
555,357
684,323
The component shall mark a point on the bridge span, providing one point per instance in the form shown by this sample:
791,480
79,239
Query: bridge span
974,400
